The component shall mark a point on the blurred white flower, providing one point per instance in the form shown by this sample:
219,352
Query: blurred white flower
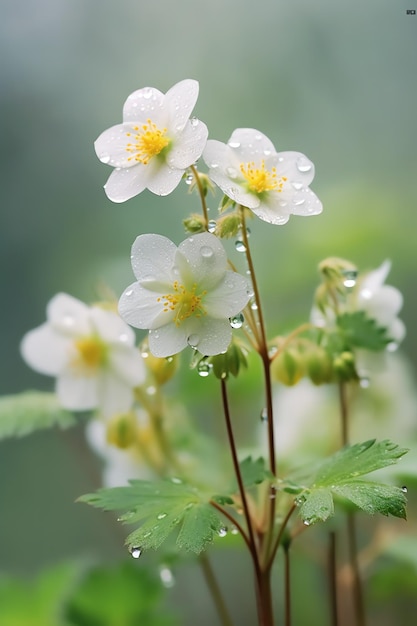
91,352
156,142
250,171
381,302
183,296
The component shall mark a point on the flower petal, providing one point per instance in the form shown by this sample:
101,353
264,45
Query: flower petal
115,395
45,350
142,104
153,257
296,167
164,179
76,392
249,144
215,336
68,315
229,297
180,101
140,307
111,146
127,365
201,259
189,146
111,328
168,340
126,183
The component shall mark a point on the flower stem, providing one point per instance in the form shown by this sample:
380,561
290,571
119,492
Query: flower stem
287,584
201,193
215,591
332,579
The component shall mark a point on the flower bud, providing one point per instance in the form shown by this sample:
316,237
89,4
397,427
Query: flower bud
162,369
228,225
121,430
344,366
229,362
195,223
288,366
319,365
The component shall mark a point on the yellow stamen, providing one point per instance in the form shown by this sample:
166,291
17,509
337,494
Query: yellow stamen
185,302
92,352
148,141
260,179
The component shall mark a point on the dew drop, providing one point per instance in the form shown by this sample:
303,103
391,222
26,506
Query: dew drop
193,340
169,359
189,179
194,121
105,158
161,516
68,320
404,489
231,172
264,415
234,144
123,337
176,481
144,354
237,321
392,346
211,226
147,92
306,522
222,531
254,306
364,382
350,278
128,292
206,252
166,576
240,246
303,165
297,186
136,552
234,530
204,369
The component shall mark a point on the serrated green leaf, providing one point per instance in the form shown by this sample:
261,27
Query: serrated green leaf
362,331
161,506
253,471
22,414
374,497
318,506
357,460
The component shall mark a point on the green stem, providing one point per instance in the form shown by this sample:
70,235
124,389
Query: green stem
287,584
280,535
215,591
332,579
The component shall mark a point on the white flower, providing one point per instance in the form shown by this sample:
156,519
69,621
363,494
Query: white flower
381,302
250,172
185,295
155,144
91,352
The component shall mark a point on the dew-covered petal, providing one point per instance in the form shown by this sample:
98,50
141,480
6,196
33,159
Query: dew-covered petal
201,259
304,202
68,315
215,336
168,340
112,146
153,257
45,350
384,304
249,144
271,214
143,103
229,297
189,146
295,166
127,364
110,328
125,183
77,392
180,101
218,155
141,307
164,179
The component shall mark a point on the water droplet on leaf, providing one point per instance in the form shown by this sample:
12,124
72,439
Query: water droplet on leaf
222,531
161,516
136,552
404,489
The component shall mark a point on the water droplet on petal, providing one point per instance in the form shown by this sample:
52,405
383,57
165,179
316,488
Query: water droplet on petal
105,158
206,252
194,121
222,531
234,144
147,92
136,552
240,246
237,321
231,172
193,340
303,164
297,186
128,292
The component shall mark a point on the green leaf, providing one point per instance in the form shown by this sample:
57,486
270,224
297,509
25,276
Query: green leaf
254,472
126,595
161,506
40,602
22,414
357,460
337,476
361,331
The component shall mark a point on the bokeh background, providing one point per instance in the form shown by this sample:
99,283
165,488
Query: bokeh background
334,80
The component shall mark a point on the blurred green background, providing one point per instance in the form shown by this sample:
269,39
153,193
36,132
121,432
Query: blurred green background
336,81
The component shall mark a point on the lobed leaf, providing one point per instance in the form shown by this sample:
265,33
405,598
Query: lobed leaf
362,331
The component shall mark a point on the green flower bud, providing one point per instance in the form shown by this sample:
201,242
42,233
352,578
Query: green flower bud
344,366
319,365
162,369
122,430
230,362
228,226
288,366
194,223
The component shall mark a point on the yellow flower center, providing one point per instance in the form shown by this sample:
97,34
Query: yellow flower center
260,179
147,142
185,302
92,352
